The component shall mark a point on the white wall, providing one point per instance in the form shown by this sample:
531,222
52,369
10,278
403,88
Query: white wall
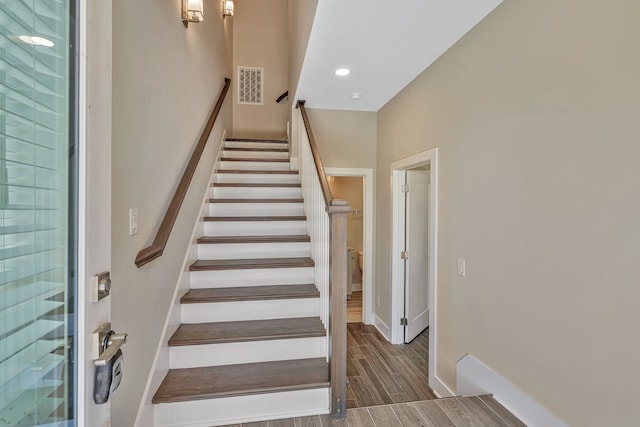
535,113
165,81
260,39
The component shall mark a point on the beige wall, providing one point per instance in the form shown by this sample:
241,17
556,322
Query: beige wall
301,14
260,39
157,118
345,139
536,116
350,188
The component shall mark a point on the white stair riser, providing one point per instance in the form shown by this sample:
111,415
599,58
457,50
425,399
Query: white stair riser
254,228
256,209
258,178
242,409
193,356
255,193
240,165
247,144
231,311
253,277
253,250
256,154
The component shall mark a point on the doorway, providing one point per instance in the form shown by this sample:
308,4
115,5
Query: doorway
349,180
426,161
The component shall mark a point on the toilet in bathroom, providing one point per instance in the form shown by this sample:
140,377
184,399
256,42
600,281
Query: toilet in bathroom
361,261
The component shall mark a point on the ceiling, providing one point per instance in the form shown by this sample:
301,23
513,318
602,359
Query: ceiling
385,44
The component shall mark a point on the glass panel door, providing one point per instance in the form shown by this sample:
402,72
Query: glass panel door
37,312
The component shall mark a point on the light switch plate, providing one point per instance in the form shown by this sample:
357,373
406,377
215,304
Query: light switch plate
133,221
462,267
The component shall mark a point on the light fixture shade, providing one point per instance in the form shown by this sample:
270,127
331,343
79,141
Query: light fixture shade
192,11
227,7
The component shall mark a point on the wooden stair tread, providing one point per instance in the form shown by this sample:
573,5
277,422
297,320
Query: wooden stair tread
249,293
257,185
249,330
210,382
256,200
246,264
255,218
254,239
252,159
271,141
241,171
262,150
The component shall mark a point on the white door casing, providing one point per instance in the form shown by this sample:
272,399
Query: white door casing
368,237
397,265
416,309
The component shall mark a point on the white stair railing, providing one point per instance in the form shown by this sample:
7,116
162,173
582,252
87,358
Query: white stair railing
327,227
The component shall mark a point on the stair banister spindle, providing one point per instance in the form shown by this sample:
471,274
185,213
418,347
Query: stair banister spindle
327,226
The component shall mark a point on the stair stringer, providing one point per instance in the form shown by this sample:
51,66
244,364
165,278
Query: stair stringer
160,366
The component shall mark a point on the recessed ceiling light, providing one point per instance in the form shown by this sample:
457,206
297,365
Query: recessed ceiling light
37,41
343,72
356,95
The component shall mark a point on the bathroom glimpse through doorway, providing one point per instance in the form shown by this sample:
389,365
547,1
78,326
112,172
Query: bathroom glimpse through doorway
356,186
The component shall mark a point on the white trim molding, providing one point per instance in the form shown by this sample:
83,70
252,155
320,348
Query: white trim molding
474,377
368,220
381,326
397,272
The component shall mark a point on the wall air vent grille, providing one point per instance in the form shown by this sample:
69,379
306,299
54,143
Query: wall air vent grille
250,84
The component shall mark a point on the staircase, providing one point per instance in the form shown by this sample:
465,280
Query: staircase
251,345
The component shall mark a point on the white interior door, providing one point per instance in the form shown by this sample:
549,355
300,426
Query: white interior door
417,247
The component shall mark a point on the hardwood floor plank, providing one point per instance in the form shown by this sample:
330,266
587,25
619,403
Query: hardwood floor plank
407,387
505,415
256,424
254,263
482,412
383,416
371,377
408,415
433,414
378,376
400,397
457,413
282,423
243,331
364,393
253,239
249,293
256,200
359,418
255,218
181,385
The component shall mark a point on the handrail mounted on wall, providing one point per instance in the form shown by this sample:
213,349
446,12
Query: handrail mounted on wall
156,248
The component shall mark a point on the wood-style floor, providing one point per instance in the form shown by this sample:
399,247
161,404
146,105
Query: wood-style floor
354,308
380,373
481,411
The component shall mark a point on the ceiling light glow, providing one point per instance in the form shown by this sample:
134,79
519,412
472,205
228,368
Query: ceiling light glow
343,72
36,41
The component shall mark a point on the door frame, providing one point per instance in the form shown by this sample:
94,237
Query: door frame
397,271
368,194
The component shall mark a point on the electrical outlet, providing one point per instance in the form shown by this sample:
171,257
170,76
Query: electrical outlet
133,221
462,267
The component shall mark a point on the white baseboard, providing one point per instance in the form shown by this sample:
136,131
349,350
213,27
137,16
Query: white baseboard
474,377
382,327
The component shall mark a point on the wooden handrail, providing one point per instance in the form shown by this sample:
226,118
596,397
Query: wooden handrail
156,248
324,183
281,97
337,210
